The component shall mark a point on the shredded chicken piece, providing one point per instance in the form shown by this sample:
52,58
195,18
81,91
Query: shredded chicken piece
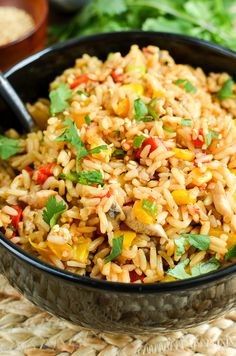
38,200
221,203
134,224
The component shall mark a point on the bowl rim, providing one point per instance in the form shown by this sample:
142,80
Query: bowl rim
89,282
43,18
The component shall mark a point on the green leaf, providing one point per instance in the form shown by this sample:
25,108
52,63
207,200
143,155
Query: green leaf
226,91
150,207
59,98
180,244
179,270
8,147
87,120
186,122
140,109
231,253
168,129
210,135
118,152
71,136
53,211
80,92
117,132
117,244
85,177
97,149
211,265
111,8
186,85
138,140
201,242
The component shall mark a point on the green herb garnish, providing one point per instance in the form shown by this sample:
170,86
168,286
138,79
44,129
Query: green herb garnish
180,244
186,122
80,92
117,132
168,129
117,244
71,136
144,112
226,91
211,265
150,207
53,211
138,140
59,98
118,152
87,119
179,270
231,253
85,177
189,87
211,134
8,147
201,242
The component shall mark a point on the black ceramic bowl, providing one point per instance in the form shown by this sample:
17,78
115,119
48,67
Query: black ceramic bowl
108,306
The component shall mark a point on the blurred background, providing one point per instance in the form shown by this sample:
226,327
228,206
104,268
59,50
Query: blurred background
45,22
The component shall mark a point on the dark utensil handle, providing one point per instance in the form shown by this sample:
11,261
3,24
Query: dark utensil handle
9,95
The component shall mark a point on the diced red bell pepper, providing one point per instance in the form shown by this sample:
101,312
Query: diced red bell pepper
83,78
135,277
16,218
116,76
153,142
44,172
199,141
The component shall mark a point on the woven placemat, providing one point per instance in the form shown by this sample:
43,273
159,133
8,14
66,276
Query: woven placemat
25,330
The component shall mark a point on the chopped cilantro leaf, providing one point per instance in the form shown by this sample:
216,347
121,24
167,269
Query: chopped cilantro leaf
189,87
186,122
85,177
140,109
211,134
87,120
53,211
168,129
211,265
179,270
80,92
231,253
8,147
226,91
201,242
118,152
150,207
117,132
138,140
59,98
180,245
117,244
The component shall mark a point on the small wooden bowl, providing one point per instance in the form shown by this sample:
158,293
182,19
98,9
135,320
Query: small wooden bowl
33,41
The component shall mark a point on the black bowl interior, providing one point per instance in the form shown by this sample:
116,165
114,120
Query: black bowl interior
31,79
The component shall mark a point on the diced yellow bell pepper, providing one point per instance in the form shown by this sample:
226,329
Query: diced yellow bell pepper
80,251
122,108
184,154
231,237
168,278
59,249
215,232
199,178
157,94
129,236
134,88
141,214
42,249
233,170
182,197
104,155
79,119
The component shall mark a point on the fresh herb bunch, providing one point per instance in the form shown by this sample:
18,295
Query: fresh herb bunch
211,20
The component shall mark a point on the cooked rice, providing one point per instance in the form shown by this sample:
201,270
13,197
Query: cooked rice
96,214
